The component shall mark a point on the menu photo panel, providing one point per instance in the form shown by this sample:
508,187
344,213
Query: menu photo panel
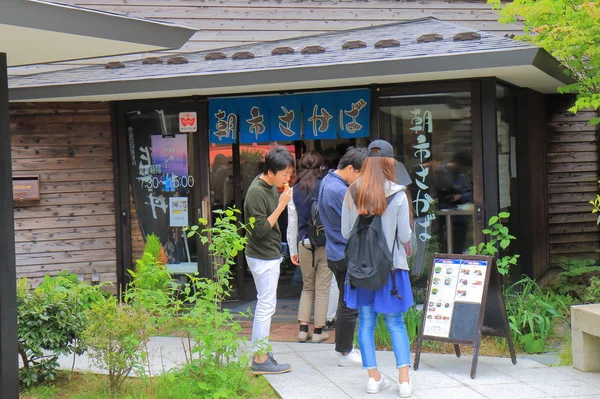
456,292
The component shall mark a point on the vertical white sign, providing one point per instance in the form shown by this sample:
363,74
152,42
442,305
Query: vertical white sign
178,211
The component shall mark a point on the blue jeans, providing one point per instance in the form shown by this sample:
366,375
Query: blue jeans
367,318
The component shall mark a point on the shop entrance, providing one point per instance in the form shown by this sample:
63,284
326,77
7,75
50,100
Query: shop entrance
162,182
436,132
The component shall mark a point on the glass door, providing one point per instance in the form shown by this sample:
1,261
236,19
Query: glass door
437,135
166,183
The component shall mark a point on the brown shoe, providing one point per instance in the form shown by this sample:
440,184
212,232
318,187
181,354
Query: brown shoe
318,338
303,336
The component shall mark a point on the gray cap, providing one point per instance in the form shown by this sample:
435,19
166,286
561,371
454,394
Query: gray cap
385,149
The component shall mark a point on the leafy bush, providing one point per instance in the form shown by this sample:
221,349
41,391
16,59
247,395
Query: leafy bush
498,235
150,273
209,334
117,334
530,314
51,320
579,280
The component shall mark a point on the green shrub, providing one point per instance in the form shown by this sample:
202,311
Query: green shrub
117,334
497,235
530,313
50,321
150,273
579,280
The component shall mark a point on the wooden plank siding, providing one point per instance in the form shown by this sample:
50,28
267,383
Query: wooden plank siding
573,173
224,23
72,227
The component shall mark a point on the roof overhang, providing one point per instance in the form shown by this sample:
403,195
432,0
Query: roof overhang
37,31
526,67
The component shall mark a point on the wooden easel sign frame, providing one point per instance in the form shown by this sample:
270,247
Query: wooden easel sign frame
464,300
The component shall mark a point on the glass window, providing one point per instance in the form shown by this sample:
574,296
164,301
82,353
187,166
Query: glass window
507,157
432,135
161,165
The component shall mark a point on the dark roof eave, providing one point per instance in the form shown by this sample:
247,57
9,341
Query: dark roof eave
549,65
73,20
453,62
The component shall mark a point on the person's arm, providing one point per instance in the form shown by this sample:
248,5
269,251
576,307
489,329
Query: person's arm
284,198
257,207
292,232
349,216
404,227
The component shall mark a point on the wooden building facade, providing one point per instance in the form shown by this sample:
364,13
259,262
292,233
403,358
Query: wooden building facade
86,221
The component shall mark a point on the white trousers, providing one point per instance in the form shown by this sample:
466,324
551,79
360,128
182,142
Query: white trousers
334,295
266,277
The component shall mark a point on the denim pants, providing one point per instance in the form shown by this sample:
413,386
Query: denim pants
346,317
367,318
266,278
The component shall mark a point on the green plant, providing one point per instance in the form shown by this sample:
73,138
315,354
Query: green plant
579,280
530,314
497,235
150,273
592,292
412,321
51,320
209,333
217,337
569,31
596,204
117,333
566,354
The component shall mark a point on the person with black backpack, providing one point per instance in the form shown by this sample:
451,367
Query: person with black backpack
306,241
375,221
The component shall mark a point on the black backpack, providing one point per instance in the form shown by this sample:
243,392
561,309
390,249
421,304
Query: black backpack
369,259
315,229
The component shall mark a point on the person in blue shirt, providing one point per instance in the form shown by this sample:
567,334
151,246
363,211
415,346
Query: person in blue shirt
331,198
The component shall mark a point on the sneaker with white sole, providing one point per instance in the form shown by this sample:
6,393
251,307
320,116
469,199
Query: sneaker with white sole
352,359
404,390
376,386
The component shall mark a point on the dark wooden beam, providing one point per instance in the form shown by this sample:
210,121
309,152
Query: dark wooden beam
9,367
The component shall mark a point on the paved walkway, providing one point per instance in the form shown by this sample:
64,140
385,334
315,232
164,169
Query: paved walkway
315,374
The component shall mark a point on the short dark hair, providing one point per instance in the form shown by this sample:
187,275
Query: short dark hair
463,158
354,157
277,159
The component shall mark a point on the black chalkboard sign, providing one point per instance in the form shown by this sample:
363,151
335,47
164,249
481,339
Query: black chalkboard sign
464,299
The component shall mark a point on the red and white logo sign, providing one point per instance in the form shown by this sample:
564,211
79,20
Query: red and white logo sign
188,122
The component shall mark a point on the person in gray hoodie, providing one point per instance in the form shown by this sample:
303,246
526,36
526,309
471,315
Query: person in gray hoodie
375,193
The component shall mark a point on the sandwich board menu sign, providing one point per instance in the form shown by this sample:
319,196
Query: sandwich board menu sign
464,299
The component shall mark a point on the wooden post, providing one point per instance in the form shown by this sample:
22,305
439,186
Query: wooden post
9,367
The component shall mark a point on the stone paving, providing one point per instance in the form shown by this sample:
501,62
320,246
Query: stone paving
315,374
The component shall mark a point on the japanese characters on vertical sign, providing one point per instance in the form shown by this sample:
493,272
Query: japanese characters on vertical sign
422,126
223,118
313,116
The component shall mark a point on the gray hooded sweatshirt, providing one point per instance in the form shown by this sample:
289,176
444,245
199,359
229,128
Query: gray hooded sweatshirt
395,216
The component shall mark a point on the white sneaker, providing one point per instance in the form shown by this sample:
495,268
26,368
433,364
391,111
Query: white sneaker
404,390
376,386
352,359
